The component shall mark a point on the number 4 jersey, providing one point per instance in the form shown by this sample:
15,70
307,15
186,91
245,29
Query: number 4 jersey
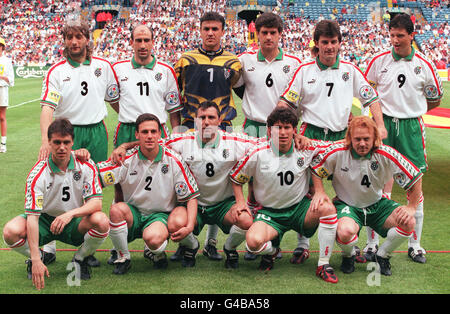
359,181
52,191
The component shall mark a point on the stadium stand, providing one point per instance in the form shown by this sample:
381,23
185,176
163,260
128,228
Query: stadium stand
32,29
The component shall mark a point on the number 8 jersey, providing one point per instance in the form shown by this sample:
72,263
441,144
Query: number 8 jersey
359,181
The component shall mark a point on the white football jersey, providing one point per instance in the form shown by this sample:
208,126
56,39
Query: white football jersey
211,163
359,181
54,192
279,180
264,82
151,186
325,94
152,88
78,91
404,84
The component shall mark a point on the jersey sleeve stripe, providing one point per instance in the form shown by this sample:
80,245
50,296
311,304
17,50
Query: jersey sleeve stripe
176,82
110,65
179,138
327,154
183,171
241,164
48,75
48,103
397,162
33,184
374,58
436,82
95,180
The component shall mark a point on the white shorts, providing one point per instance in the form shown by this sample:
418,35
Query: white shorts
4,96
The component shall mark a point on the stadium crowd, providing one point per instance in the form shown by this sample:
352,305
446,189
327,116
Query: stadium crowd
33,30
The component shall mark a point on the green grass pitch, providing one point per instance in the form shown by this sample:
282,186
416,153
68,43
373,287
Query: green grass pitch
211,277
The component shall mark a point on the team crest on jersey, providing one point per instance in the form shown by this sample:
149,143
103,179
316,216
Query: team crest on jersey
316,161
418,70
108,177
165,168
226,73
301,161
77,175
366,92
158,76
171,98
286,68
226,153
400,178
87,189
431,91
98,72
346,76
374,165
112,91
181,189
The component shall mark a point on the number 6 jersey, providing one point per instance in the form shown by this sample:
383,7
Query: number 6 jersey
359,181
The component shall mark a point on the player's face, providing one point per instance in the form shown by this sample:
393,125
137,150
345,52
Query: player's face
328,49
362,140
76,44
60,147
282,135
268,38
211,33
208,122
401,41
142,44
148,135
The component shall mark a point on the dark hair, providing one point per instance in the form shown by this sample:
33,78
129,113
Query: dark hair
269,20
77,26
209,104
283,115
327,28
61,126
134,28
402,21
213,16
147,117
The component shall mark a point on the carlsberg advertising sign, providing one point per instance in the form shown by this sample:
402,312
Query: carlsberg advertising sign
30,71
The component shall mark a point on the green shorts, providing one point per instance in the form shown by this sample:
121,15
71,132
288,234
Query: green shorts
69,235
373,216
93,137
140,222
214,215
283,220
313,132
254,128
408,137
126,133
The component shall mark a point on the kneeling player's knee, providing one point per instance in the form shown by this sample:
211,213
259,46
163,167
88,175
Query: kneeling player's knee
100,221
12,232
345,233
408,225
327,209
117,212
254,241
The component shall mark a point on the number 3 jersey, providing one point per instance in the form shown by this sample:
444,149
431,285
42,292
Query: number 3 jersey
151,186
78,91
279,180
359,181
211,163
52,191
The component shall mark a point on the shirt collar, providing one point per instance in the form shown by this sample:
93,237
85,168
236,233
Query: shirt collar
213,145
76,64
324,67
149,66
158,157
278,57
54,168
277,152
407,58
356,156
210,53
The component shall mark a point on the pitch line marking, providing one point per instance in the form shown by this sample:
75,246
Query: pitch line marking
23,103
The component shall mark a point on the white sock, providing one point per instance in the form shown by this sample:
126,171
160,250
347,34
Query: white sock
414,240
302,241
326,234
267,248
119,238
50,247
159,250
190,241
372,239
3,140
348,248
236,237
92,241
395,237
211,234
21,247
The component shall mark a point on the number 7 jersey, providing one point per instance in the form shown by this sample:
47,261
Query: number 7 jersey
359,181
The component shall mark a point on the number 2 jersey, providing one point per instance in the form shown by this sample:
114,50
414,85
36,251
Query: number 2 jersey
359,181
151,186
52,191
